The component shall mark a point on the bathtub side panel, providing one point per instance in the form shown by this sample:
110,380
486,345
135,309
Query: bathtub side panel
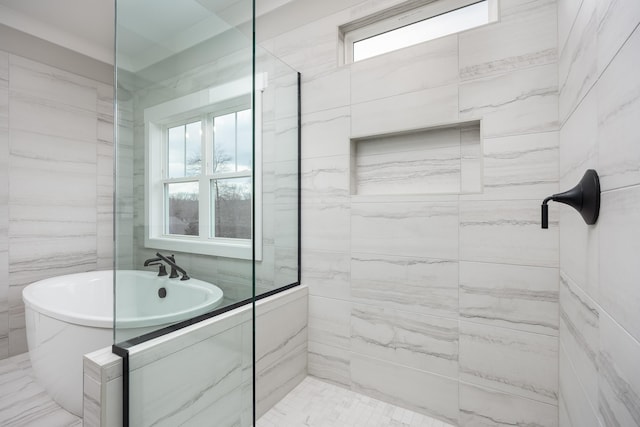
56,349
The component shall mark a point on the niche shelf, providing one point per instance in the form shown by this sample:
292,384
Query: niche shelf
438,160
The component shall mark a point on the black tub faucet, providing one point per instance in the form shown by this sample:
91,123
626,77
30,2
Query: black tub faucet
175,268
162,270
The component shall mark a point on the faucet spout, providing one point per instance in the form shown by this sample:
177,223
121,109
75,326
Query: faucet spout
148,262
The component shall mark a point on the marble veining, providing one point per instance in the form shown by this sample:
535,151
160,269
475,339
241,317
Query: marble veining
516,362
481,406
512,296
623,391
619,378
423,342
419,285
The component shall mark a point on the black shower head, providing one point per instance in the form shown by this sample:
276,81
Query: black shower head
584,197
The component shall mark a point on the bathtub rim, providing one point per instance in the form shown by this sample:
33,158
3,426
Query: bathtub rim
106,322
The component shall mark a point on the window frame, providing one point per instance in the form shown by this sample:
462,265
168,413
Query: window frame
392,19
204,104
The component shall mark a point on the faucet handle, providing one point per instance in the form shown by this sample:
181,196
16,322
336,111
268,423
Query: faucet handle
162,270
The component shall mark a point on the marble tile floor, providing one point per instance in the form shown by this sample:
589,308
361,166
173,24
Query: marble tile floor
23,402
316,403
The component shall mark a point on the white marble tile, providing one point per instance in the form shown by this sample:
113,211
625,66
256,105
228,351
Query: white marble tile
579,141
227,411
326,227
405,229
574,407
511,296
471,160
327,274
412,163
419,285
91,402
329,363
514,362
329,321
23,402
311,49
524,36
332,90
4,68
579,334
567,12
285,139
481,407
54,118
326,133
619,226
419,391
414,110
286,265
273,383
618,99
616,21
523,101
171,390
619,377
280,331
52,84
427,343
508,233
577,67
403,70
316,403
285,226
325,179
579,250
519,167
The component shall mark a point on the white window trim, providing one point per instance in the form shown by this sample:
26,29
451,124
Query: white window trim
382,22
156,119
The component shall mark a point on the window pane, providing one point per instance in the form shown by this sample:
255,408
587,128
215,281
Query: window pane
193,145
182,200
244,129
224,143
175,158
232,214
448,23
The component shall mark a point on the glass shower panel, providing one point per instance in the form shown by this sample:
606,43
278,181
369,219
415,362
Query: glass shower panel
180,65
278,266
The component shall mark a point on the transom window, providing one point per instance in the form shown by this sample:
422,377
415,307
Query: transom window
200,174
392,30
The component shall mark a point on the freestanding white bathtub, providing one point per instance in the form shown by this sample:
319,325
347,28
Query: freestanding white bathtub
70,316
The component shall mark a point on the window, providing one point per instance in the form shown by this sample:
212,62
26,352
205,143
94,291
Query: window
379,34
200,173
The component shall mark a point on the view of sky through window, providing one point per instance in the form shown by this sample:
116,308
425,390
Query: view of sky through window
438,26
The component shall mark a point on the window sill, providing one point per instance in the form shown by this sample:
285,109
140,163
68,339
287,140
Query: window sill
221,249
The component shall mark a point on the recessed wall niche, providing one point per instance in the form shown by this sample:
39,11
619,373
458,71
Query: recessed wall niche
438,160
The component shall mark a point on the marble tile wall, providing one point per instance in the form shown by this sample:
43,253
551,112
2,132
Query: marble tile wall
599,296
56,140
413,293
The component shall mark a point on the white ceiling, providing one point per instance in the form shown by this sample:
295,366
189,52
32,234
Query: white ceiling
148,30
